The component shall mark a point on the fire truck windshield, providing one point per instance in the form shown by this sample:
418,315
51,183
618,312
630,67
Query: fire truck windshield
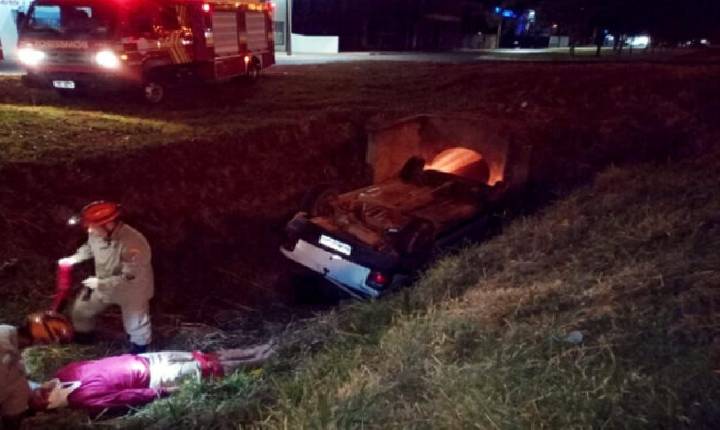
86,19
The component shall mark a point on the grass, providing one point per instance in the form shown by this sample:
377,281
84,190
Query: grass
344,93
36,132
480,342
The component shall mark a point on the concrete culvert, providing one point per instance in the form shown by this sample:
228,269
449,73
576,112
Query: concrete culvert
463,162
479,148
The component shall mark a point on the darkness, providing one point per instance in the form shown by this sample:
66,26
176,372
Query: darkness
429,25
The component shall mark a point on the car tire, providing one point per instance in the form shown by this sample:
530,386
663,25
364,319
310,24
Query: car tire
417,239
412,170
318,201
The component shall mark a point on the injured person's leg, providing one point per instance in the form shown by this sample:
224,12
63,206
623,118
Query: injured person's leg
171,368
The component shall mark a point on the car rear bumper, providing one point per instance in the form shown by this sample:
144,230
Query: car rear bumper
340,271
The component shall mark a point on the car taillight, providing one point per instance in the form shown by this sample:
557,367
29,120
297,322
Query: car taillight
378,279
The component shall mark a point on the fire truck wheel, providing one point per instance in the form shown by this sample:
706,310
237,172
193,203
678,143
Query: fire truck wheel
253,71
154,92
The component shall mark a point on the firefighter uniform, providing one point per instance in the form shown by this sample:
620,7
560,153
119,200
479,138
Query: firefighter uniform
125,278
14,389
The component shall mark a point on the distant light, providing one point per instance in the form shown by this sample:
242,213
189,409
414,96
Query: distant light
508,14
704,41
554,26
639,41
531,14
498,10
73,220
206,7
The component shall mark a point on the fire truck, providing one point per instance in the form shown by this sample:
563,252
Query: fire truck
77,46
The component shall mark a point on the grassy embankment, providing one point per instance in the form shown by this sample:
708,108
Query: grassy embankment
607,261
631,262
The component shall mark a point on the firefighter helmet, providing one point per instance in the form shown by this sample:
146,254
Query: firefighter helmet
99,213
49,327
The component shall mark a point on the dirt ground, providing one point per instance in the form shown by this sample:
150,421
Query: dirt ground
212,176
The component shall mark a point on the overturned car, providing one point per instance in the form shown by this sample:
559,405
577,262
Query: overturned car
435,180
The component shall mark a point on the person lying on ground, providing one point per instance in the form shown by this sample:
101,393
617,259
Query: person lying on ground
115,384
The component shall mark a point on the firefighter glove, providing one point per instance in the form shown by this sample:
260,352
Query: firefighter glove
91,282
67,261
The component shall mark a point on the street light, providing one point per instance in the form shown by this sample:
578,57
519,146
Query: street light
288,27
499,33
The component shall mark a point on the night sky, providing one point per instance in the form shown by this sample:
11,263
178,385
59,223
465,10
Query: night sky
439,24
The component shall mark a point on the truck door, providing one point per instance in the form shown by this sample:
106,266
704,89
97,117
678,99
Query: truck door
199,26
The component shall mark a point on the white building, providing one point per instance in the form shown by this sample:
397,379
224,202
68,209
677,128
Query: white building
8,30
299,43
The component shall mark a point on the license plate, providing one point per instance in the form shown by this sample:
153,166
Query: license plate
335,244
67,85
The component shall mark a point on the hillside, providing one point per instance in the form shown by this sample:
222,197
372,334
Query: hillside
488,337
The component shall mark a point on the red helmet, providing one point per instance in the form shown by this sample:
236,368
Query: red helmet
49,327
99,213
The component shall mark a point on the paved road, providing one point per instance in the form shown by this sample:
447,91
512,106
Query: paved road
7,68
456,57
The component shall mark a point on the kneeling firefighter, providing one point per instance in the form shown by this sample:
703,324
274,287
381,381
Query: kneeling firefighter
123,275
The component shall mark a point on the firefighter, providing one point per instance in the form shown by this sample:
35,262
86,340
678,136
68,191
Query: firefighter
15,393
123,275
118,383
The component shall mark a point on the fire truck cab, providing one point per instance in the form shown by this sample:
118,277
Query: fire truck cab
77,46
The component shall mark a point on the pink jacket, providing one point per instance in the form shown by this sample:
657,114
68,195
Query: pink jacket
113,383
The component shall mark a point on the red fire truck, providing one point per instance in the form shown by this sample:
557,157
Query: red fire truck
76,46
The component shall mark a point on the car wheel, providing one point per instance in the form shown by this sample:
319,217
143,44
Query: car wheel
319,201
154,92
417,238
412,169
